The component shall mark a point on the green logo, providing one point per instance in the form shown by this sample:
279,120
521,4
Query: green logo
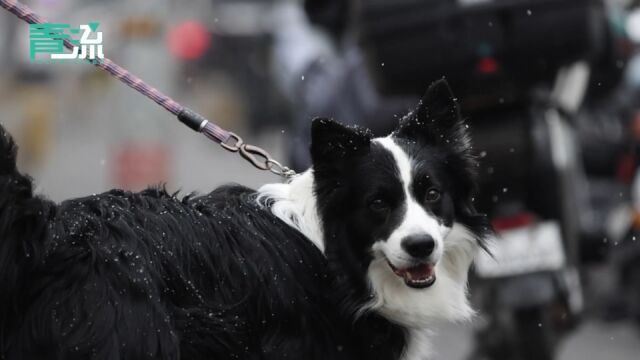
50,38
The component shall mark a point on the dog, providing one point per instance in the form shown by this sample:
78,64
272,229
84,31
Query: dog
356,258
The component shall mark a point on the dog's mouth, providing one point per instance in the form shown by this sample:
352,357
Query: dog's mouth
419,276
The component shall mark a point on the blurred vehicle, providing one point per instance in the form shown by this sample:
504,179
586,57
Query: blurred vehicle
529,286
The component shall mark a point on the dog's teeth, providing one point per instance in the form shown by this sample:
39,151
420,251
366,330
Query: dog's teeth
421,281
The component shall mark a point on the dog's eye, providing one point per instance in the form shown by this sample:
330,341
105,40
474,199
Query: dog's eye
432,196
379,205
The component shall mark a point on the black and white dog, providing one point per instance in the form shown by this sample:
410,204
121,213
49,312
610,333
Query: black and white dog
353,259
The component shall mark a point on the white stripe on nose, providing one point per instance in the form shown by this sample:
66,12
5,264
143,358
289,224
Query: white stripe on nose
416,220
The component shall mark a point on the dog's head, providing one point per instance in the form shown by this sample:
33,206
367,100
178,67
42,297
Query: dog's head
388,206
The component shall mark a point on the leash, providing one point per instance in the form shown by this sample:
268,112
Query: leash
229,141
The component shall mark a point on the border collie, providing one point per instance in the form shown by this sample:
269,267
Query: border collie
353,259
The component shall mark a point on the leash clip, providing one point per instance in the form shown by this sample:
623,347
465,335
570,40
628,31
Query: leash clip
257,156
261,159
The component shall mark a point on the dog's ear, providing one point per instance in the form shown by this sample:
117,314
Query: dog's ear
332,142
436,119
437,122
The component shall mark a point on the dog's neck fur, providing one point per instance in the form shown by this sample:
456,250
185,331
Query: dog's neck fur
294,203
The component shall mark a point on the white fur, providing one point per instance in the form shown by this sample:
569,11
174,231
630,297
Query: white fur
419,345
294,203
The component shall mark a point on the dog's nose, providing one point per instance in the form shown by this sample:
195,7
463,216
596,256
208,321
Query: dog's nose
419,246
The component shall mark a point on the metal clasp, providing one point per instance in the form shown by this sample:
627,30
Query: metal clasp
257,156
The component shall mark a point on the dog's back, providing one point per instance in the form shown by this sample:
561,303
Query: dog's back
147,275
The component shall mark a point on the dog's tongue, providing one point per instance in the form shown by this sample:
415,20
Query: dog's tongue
418,272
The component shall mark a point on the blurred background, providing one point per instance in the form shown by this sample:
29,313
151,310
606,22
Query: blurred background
550,89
